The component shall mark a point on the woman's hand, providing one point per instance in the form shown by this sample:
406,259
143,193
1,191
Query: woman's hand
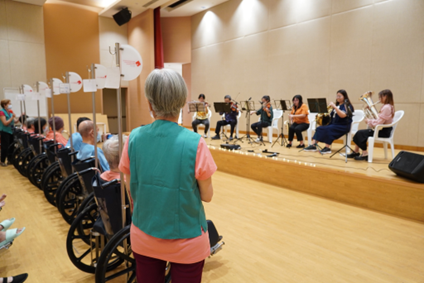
252,112
333,105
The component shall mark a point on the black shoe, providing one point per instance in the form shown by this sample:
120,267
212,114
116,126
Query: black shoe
20,278
326,150
289,145
361,157
230,138
216,137
312,147
301,146
353,155
261,139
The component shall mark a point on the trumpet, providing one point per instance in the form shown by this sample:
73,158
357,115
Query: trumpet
369,109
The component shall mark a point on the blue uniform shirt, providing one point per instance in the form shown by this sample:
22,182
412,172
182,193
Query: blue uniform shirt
87,150
76,140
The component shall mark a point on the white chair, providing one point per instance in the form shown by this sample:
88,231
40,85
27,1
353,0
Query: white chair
312,127
274,125
371,140
209,115
358,117
237,126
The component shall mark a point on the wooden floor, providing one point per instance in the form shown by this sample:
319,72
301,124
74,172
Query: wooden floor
271,235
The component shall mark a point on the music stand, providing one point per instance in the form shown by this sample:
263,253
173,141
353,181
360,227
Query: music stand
222,107
196,106
248,106
284,141
317,105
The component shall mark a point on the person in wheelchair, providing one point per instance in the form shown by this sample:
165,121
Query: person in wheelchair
111,152
58,125
86,150
76,137
168,170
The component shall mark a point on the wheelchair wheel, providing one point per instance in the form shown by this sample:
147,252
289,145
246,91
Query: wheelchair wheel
50,182
15,154
31,167
114,251
63,185
23,160
81,242
70,200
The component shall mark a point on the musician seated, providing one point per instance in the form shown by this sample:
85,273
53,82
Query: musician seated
86,129
58,126
202,117
340,124
299,121
385,116
266,117
230,119
76,137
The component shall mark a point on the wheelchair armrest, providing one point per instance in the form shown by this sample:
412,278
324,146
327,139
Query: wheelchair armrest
73,153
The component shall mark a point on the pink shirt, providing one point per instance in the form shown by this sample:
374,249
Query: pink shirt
179,250
110,175
384,116
59,137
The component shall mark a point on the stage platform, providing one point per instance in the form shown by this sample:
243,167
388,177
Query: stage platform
359,183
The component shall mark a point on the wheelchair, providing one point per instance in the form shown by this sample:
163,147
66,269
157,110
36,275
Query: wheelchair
38,165
73,191
97,243
56,173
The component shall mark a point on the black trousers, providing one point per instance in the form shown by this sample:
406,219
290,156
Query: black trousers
197,122
6,141
297,129
257,127
361,136
221,123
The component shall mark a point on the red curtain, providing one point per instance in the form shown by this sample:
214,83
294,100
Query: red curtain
158,40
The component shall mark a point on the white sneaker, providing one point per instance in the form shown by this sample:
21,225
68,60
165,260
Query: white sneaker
258,140
205,136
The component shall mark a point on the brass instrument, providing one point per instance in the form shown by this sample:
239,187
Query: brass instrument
324,119
369,110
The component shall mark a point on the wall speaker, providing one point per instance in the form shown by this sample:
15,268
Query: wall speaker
122,17
409,165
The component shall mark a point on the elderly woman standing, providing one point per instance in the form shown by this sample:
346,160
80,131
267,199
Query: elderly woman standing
7,120
169,170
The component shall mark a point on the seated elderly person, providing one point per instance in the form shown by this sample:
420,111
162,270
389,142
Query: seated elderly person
86,150
76,137
111,152
58,126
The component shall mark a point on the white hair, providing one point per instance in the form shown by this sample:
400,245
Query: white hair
111,151
166,91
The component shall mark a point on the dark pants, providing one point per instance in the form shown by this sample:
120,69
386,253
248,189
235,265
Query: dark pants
197,122
152,270
297,129
6,140
257,127
221,123
361,136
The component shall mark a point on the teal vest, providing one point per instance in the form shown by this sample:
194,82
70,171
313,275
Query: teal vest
166,196
7,129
